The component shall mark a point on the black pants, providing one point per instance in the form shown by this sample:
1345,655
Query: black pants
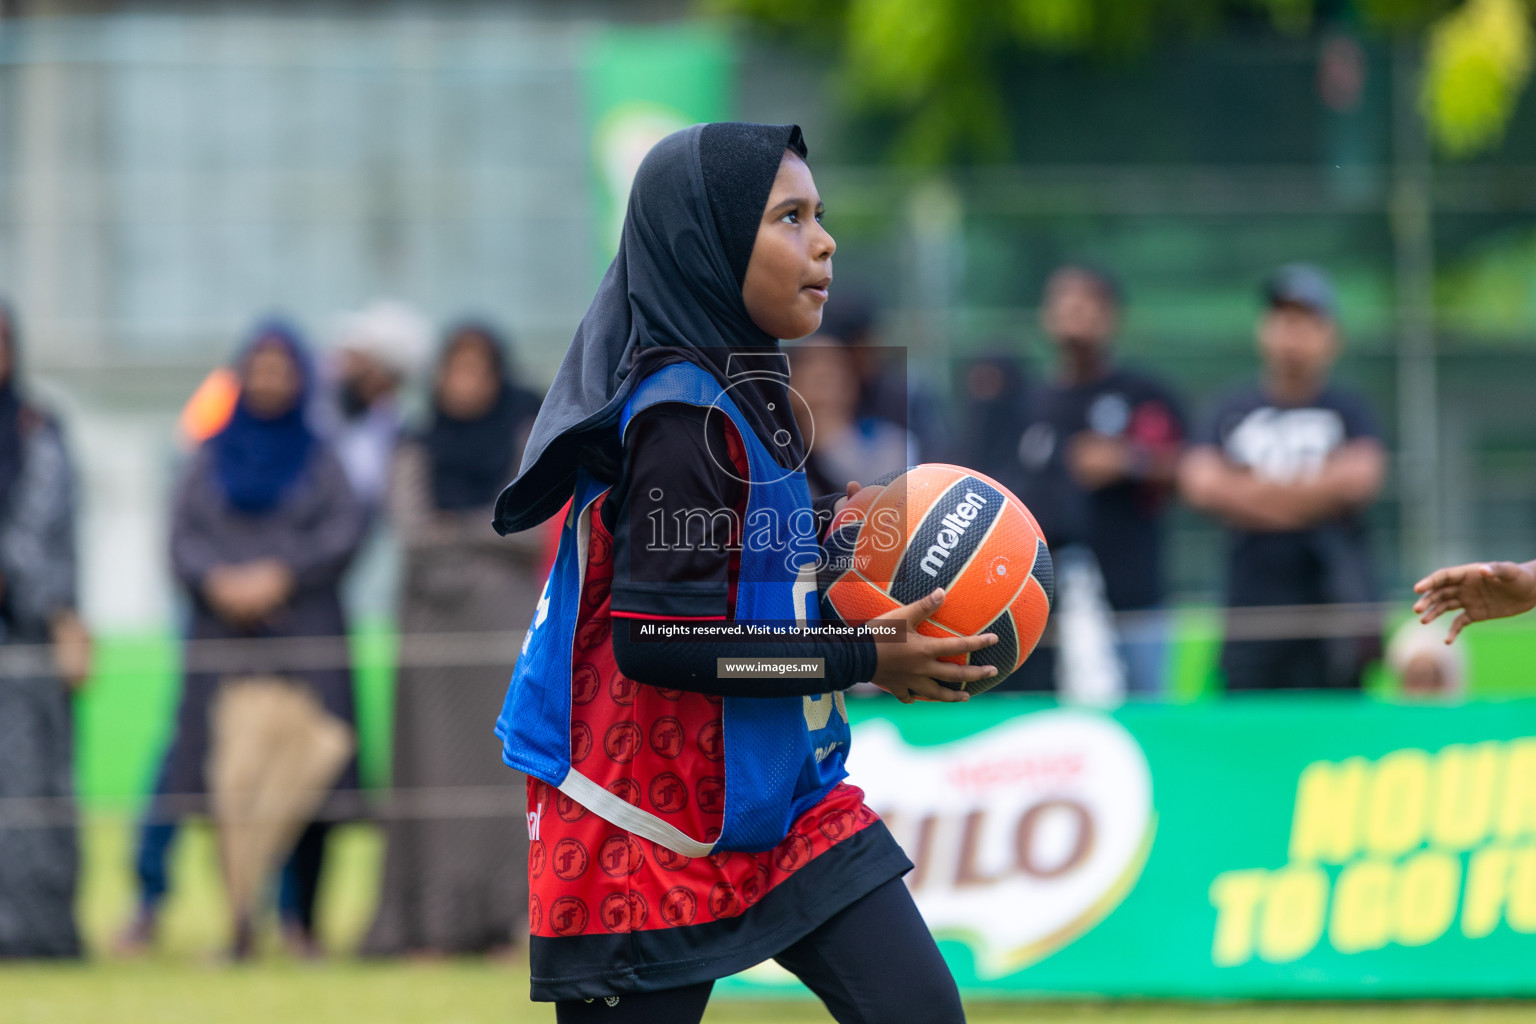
872,963
300,886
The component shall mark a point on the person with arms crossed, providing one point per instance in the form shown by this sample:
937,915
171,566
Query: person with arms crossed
1289,467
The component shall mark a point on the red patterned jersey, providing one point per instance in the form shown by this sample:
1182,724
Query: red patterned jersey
611,912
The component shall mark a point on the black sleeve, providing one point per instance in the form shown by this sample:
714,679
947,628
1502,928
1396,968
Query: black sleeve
672,510
671,513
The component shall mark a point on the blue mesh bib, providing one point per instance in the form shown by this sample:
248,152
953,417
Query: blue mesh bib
782,754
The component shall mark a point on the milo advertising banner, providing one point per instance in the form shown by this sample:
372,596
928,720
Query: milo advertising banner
1266,846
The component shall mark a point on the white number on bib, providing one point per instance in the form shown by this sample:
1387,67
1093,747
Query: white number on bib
540,614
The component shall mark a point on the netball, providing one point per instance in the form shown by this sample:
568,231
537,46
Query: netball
939,525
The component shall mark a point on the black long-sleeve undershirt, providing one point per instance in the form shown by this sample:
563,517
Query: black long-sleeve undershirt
671,464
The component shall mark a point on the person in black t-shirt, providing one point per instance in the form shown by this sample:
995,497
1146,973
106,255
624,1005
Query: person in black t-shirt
1289,466
1097,462
994,402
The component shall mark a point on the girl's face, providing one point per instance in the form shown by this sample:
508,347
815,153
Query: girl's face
468,384
791,264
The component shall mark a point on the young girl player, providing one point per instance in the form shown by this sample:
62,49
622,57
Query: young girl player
685,826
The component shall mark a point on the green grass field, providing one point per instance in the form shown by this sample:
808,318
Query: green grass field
188,992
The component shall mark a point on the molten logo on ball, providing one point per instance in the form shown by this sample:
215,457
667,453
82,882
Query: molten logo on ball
955,523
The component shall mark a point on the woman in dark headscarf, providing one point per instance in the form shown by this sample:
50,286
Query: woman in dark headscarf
263,526
683,825
457,884
38,849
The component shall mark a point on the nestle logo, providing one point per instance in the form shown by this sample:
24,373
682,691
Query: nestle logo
1036,770
955,523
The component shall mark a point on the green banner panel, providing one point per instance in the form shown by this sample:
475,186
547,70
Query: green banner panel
641,85
1262,847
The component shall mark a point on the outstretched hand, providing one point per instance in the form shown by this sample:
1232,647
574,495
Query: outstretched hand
911,670
1480,590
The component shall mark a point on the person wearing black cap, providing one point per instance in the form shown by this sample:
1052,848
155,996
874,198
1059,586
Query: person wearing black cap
686,824
1289,467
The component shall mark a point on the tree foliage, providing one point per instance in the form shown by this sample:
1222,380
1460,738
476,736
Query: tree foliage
1478,61
937,66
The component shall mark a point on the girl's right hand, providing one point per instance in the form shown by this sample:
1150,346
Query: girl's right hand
911,670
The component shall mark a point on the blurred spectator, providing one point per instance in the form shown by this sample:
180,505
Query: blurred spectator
888,390
995,397
377,349
264,524
1428,667
458,884
1097,463
204,415
39,859
842,444
1290,466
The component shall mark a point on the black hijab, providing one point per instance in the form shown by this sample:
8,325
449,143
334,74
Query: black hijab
470,457
672,293
10,406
